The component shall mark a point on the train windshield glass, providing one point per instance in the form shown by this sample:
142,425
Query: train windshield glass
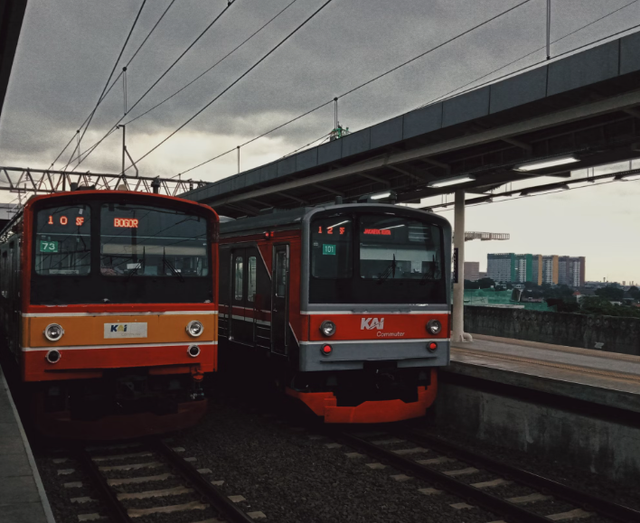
365,257
393,247
63,241
137,241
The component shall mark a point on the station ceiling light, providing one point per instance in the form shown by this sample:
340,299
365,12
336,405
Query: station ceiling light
629,178
544,164
381,196
451,181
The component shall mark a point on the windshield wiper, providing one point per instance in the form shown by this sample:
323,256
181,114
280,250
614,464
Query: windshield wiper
389,271
138,266
171,267
432,273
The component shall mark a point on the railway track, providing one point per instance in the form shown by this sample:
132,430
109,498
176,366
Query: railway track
447,466
151,480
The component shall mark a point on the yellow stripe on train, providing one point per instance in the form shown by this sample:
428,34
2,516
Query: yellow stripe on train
116,330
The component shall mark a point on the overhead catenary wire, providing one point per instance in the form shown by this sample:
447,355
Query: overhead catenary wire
114,82
460,90
106,85
175,62
365,83
255,33
200,111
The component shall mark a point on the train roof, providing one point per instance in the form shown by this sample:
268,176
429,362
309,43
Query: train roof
292,218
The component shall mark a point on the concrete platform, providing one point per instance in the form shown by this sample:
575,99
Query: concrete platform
602,378
561,404
22,496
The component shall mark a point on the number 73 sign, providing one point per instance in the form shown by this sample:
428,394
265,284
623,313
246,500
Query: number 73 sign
48,246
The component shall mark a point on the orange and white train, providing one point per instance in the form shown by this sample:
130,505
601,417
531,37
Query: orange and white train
108,308
346,306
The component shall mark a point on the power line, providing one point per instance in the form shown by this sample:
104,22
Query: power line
175,62
364,84
114,83
215,64
237,80
256,138
190,83
459,90
104,89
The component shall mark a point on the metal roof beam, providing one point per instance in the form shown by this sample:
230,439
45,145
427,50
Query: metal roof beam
375,179
617,103
327,189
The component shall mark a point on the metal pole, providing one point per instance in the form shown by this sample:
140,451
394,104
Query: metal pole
335,113
124,147
238,159
548,29
458,333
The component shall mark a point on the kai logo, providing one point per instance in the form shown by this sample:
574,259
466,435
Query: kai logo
371,323
119,328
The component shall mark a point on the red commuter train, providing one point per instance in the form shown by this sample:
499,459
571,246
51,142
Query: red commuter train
108,309
346,306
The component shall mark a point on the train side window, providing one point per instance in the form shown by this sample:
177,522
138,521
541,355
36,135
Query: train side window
238,268
251,282
281,274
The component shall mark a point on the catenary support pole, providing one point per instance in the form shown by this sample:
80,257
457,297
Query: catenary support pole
458,333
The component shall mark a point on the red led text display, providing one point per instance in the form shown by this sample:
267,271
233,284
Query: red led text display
338,231
378,232
63,220
127,223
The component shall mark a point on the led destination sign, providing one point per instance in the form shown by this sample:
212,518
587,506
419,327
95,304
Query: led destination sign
127,223
63,220
378,232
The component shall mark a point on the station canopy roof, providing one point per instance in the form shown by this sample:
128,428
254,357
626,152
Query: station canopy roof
579,109
11,16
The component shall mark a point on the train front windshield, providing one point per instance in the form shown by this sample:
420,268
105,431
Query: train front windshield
119,252
141,241
376,258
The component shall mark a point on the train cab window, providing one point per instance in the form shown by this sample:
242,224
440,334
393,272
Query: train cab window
238,267
251,282
331,248
139,240
63,241
393,247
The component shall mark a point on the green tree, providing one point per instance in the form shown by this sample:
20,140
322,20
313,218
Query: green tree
610,292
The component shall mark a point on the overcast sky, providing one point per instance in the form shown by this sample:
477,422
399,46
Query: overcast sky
68,48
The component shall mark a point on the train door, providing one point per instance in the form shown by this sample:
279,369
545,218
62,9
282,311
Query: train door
15,319
243,295
280,300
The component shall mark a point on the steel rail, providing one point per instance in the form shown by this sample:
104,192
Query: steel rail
602,506
467,492
116,510
210,493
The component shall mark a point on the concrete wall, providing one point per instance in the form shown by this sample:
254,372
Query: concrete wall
595,445
607,333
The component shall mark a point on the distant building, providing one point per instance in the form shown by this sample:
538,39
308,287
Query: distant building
501,267
472,271
571,271
537,268
482,275
550,269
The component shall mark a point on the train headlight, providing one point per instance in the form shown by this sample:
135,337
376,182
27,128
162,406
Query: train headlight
328,328
53,332
195,328
434,327
193,351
